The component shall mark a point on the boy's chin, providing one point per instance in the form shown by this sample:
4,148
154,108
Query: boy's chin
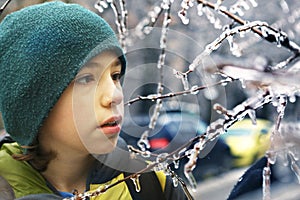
101,149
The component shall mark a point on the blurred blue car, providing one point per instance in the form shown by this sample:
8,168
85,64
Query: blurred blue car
174,129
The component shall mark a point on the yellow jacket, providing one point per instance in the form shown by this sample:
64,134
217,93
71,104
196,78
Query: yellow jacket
25,180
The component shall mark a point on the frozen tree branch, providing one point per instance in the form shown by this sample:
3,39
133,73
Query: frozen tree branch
121,15
143,143
284,41
4,6
194,90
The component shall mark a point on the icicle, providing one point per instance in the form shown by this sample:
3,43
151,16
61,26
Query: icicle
188,152
225,81
176,164
146,153
240,6
166,4
292,98
191,164
185,81
194,90
176,155
272,157
188,168
215,129
253,2
184,19
190,177
251,113
145,26
211,94
162,164
155,114
285,159
234,48
294,151
282,102
211,18
183,78
218,4
218,24
230,40
264,31
200,9
276,140
237,9
161,58
136,182
100,5
143,142
295,168
120,21
163,38
243,84
123,20
175,181
244,5
280,37
267,183
176,161
147,30
182,14
284,6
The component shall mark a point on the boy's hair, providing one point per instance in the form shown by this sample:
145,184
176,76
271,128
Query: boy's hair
42,48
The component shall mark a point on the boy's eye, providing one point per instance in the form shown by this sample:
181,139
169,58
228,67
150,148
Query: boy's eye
116,76
85,79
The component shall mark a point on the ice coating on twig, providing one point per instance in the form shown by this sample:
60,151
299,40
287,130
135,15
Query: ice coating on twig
266,183
121,15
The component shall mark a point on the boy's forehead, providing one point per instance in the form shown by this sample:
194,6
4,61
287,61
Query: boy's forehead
103,62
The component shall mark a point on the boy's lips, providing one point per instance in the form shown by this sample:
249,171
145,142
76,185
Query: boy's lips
111,125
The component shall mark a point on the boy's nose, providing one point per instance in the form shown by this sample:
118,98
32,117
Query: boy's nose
111,95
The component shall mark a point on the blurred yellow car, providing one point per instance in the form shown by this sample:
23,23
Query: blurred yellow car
248,142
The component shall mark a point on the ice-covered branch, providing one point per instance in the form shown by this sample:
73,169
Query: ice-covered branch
146,24
228,33
143,143
4,6
214,130
274,36
193,90
217,42
185,5
120,17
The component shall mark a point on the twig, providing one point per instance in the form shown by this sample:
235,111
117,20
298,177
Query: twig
4,6
153,97
288,44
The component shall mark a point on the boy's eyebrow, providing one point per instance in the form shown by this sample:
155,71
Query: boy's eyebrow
115,63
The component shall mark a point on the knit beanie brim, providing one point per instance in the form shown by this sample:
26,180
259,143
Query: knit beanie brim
42,48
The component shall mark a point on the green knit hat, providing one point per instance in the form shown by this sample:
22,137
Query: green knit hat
42,48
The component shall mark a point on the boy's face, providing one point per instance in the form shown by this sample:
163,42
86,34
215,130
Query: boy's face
88,115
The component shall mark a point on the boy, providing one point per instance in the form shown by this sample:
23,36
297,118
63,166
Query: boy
62,102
